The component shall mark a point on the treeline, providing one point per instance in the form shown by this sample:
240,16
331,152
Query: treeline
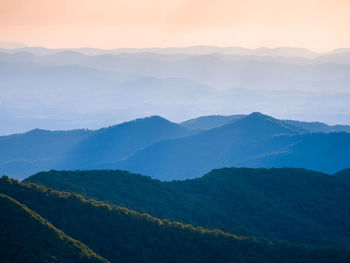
122,235
291,204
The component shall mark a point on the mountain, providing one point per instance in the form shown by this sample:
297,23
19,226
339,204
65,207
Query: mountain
336,57
121,235
214,121
319,151
39,143
81,96
165,150
117,142
233,144
24,154
26,237
255,140
210,121
93,90
287,203
319,126
343,175
191,50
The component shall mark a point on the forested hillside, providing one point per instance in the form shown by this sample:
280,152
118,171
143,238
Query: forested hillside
27,237
291,204
121,235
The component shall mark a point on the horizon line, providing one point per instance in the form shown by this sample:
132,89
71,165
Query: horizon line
24,45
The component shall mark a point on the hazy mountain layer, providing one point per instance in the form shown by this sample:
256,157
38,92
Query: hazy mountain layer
119,141
256,140
214,121
25,154
159,148
209,122
70,90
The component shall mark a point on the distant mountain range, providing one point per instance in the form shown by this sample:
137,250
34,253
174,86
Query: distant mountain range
214,121
92,88
256,140
340,55
120,141
209,122
159,148
190,50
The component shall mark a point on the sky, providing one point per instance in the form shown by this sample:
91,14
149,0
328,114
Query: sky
319,25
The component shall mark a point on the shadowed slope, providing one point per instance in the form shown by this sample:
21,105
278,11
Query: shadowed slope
233,144
116,142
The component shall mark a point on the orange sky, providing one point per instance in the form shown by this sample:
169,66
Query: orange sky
320,25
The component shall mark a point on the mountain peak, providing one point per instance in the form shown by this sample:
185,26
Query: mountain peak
152,119
262,123
37,131
258,114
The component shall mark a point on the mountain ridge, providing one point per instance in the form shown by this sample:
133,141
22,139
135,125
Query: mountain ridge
253,135
279,203
162,149
116,233
214,121
47,244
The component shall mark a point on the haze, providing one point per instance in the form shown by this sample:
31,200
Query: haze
93,63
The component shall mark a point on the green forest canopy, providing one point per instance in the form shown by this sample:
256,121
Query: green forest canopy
287,203
122,235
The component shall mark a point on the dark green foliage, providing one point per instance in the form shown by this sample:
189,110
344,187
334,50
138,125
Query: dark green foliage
291,204
27,237
121,235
